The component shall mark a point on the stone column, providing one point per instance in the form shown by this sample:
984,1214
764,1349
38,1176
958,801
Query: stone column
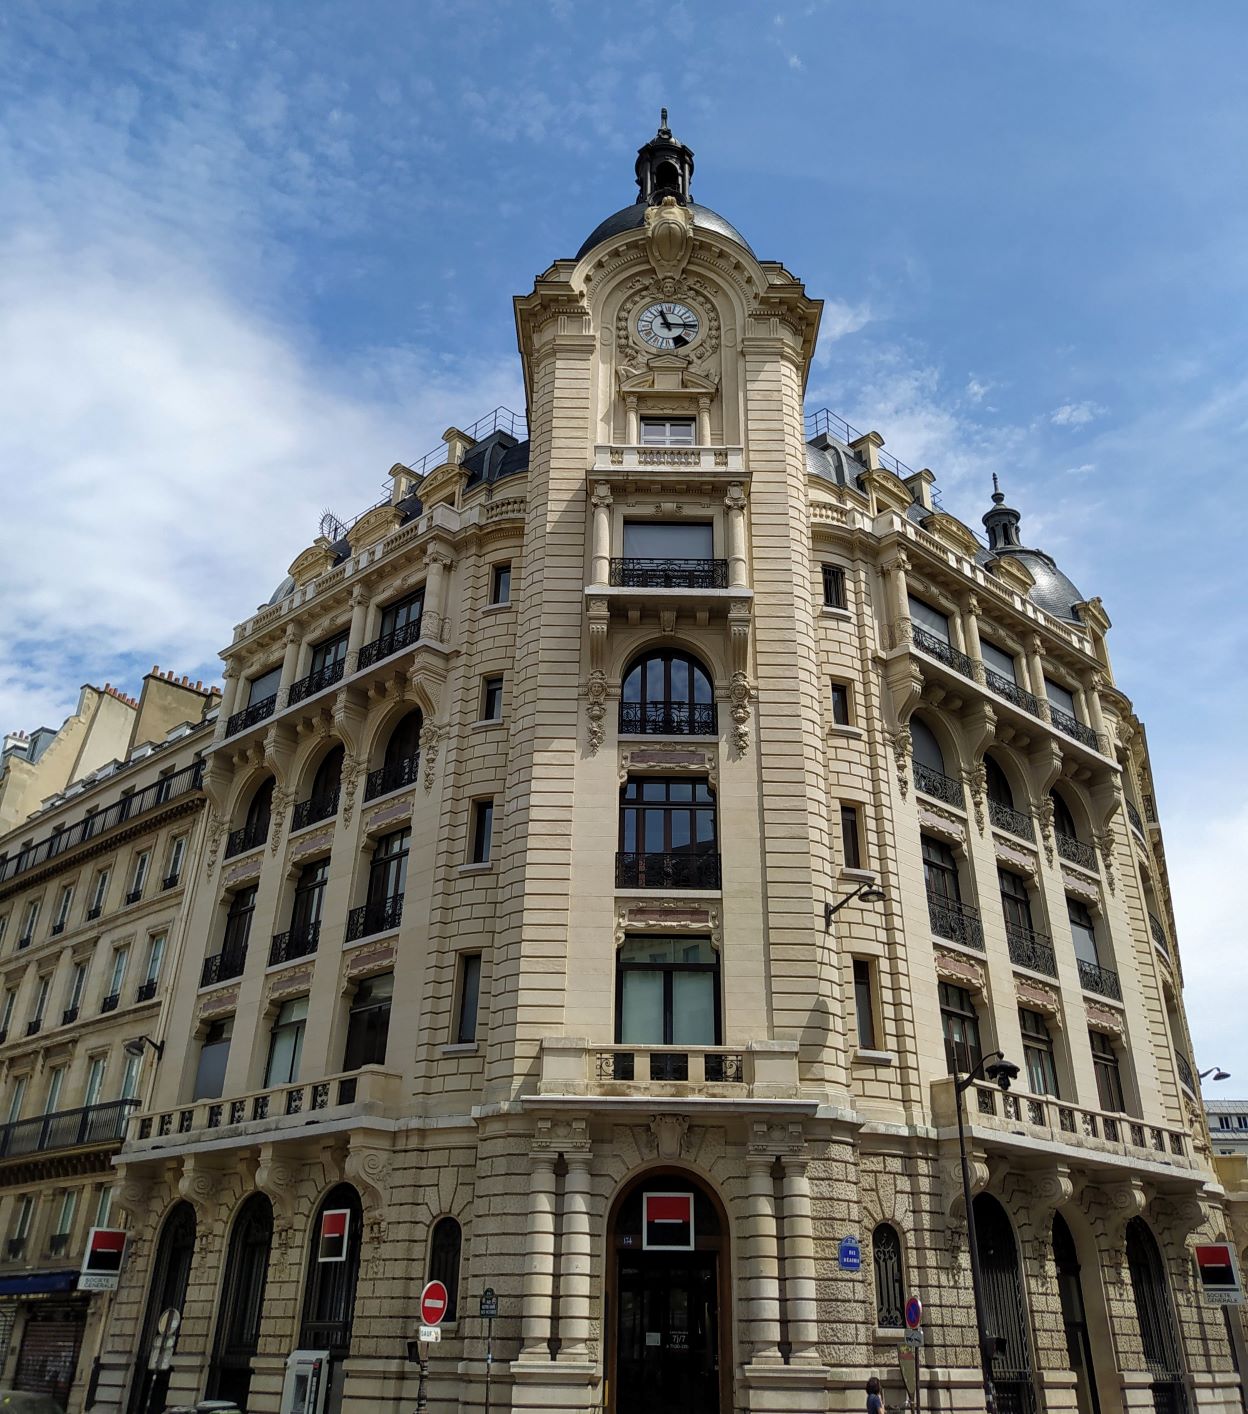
1096,718
763,1257
799,1263
437,563
632,431
290,662
896,571
738,567
1035,668
970,632
600,564
540,1270
575,1260
704,421
359,622
229,701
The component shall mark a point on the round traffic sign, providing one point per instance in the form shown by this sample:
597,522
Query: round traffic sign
433,1301
914,1313
168,1321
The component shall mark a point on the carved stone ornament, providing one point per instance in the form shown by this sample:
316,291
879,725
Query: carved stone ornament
1035,996
350,782
1103,1018
962,971
282,801
942,822
431,739
1015,857
596,708
669,237
739,695
216,831
951,1183
667,915
670,1133
1106,843
978,781
561,1136
1046,826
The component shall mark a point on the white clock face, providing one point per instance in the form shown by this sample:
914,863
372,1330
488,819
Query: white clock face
667,325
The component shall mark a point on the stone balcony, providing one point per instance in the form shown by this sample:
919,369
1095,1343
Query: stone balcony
632,462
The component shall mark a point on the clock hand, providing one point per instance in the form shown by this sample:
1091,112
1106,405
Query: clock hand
666,325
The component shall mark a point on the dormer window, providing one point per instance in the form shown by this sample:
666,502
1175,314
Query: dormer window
667,432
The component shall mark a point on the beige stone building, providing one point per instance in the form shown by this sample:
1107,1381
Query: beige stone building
617,839
91,887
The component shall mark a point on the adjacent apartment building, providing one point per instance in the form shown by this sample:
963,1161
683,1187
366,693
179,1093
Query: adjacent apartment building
91,889
617,840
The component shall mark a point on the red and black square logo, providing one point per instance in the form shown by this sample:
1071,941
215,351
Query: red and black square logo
667,1221
335,1230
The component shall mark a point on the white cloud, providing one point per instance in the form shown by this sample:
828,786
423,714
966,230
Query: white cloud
977,389
839,320
1085,470
1076,414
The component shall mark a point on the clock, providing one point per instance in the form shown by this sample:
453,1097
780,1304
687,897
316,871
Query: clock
667,325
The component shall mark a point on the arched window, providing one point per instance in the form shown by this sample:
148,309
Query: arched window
171,1275
1155,1313
999,792
333,1266
444,1250
261,809
242,1302
890,1286
668,693
926,748
1063,820
401,764
322,801
1007,1308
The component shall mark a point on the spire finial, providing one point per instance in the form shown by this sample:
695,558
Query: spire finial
662,117
997,494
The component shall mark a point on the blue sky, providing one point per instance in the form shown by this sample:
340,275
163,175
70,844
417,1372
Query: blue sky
252,254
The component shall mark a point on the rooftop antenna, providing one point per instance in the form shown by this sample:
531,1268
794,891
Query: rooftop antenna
331,527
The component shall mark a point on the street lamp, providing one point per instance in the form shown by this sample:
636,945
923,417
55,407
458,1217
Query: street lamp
994,1067
1216,1071
866,892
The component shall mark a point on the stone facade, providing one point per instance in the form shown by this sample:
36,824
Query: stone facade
505,1109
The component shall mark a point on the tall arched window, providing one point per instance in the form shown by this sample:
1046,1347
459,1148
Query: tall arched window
890,1286
171,1275
444,1251
930,774
1154,1310
999,791
254,830
668,693
401,764
242,1302
333,1266
1063,820
322,801
1007,1308
925,746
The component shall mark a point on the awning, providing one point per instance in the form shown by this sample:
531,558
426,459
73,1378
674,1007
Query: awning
38,1283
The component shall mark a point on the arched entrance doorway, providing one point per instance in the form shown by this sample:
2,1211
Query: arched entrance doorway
171,1275
1074,1317
667,1275
242,1302
1158,1333
329,1289
1006,1308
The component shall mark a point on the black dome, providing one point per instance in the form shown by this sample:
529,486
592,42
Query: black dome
633,218
1052,590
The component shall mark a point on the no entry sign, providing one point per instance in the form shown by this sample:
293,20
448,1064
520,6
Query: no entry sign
433,1303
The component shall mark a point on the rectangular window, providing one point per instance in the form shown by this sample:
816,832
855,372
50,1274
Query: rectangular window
387,874
998,660
404,615
1224,1121
28,922
65,1213
492,700
667,992
1061,699
469,997
62,908
329,654
10,999
25,1211
77,985
1108,1075
155,956
851,846
667,432
177,853
864,1004
482,830
4,921
118,975
834,587
104,1206
286,1043
309,898
238,923
140,874
265,686
95,1081
130,1077
500,584
1083,929
668,833
960,1022
56,1083
665,540
214,1052
840,704
940,871
98,893
929,619
1015,904
17,1099
1038,1053
41,998
368,1022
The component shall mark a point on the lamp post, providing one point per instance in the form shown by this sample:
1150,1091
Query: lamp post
1001,1071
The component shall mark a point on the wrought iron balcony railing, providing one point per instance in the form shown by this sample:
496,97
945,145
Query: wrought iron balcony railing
294,942
57,929
134,896
389,643
667,871
956,921
25,941
669,718
145,990
316,682
946,653
223,965
246,837
939,786
1004,817
58,1244
34,1027
94,913
1031,949
15,1247
69,1016
1159,933
1134,816
1011,691
1076,851
258,712
1185,1073
170,881
315,808
393,776
1071,726
1101,980
375,917
669,574
66,1129
127,808
111,1002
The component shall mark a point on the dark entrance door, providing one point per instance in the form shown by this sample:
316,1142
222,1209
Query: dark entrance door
1070,1288
667,1358
242,1302
1159,1334
1006,1313
49,1352
171,1274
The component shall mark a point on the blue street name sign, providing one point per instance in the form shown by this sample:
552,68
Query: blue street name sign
850,1255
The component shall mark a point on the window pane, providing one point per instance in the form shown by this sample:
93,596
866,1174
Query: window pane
1059,697
470,989
641,1008
863,1004
645,541
930,619
265,686
998,660
693,1009
210,1076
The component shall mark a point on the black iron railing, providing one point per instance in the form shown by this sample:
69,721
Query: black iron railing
249,716
25,941
667,871
246,837
1185,1072
66,1129
1134,816
69,1016
1101,980
669,574
1011,691
33,1027
315,808
127,808
317,681
170,881
145,990
393,776
936,647
1075,851
295,942
223,965
375,917
58,1244
1072,727
1005,817
15,1247
1159,933
956,921
134,896
94,913
57,929
938,785
1031,949
389,643
111,1002
669,718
